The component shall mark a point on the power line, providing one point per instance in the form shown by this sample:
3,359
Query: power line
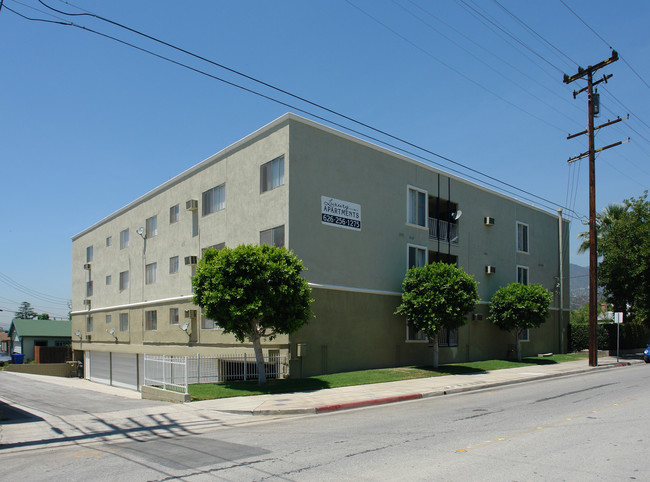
267,97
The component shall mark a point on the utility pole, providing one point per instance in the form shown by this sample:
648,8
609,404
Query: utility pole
593,255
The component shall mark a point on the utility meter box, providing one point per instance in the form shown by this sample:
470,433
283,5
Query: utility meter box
301,350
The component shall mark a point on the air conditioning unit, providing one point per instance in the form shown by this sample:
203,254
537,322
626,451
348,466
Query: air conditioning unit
87,266
490,270
488,221
86,302
477,316
89,338
190,314
192,205
191,260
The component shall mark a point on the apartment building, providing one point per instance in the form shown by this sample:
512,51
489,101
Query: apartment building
357,214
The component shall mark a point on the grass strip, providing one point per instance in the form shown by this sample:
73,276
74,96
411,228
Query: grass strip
209,391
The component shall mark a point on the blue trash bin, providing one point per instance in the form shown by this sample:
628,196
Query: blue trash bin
17,358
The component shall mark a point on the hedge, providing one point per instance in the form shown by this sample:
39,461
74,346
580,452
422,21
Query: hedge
631,336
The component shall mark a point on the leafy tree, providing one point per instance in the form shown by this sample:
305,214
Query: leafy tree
624,272
517,307
25,312
604,222
43,316
253,292
437,296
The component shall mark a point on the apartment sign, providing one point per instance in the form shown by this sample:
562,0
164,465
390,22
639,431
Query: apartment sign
341,214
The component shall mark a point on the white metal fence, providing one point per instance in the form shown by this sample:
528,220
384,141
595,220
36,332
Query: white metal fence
177,372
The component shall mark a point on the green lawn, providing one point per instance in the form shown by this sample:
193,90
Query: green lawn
208,391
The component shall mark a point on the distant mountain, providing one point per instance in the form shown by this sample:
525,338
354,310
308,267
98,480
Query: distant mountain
579,286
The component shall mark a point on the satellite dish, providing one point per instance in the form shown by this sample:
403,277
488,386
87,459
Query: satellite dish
140,230
457,214
112,332
78,332
185,326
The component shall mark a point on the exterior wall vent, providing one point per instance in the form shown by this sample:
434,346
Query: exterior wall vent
192,205
191,260
488,221
190,314
490,270
87,266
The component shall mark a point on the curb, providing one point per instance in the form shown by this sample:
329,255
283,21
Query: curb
414,396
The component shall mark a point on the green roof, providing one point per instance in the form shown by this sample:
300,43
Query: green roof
53,328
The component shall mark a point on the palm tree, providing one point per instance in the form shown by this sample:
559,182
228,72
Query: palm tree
604,221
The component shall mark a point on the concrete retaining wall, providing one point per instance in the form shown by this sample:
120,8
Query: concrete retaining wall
50,369
153,393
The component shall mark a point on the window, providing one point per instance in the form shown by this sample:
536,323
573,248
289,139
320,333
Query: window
109,241
522,275
417,207
89,254
150,273
124,280
89,324
173,214
214,199
413,334
173,316
218,247
524,335
522,237
173,265
124,238
108,280
272,174
273,236
151,226
124,322
89,288
151,320
417,256
448,337
207,323
108,319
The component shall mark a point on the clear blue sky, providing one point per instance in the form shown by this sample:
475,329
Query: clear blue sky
88,125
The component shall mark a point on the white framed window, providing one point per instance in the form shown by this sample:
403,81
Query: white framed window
109,241
124,238
273,236
150,273
108,280
89,324
522,237
124,280
214,199
173,316
207,323
124,322
417,256
151,320
108,319
416,207
522,275
151,226
272,174
173,265
174,214
89,289
413,334
89,254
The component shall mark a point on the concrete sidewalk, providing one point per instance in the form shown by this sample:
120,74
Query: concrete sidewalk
341,398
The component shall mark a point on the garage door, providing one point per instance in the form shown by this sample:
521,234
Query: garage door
100,367
125,370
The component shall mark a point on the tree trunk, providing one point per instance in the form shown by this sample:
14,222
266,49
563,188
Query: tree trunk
259,359
435,350
518,341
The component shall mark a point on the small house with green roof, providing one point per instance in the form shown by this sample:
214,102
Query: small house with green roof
24,335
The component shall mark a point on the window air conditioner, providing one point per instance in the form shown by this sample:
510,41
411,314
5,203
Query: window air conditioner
192,205
190,314
477,316
87,266
86,302
488,221
490,270
191,260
